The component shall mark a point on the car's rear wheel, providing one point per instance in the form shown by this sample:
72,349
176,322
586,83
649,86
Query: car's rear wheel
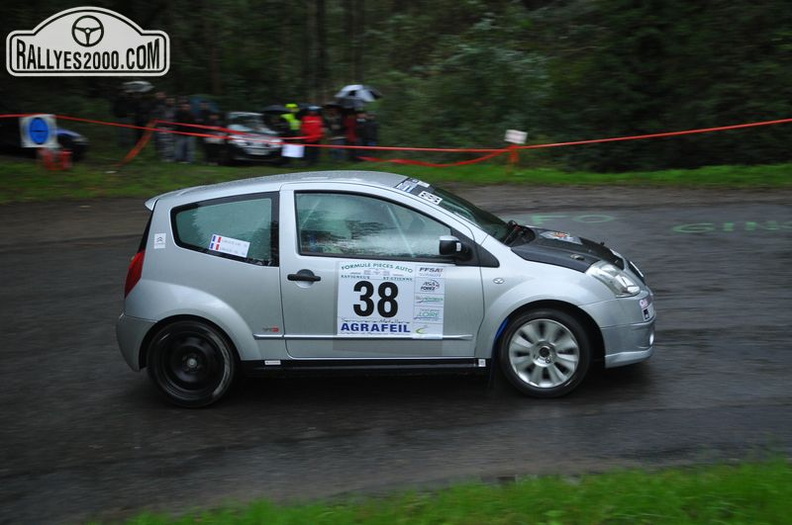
192,363
545,353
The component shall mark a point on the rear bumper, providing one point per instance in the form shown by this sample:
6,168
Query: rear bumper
130,333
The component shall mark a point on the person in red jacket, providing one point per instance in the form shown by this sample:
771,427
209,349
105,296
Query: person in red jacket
351,135
312,128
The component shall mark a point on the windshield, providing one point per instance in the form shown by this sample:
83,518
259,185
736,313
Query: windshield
485,220
506,232
248,122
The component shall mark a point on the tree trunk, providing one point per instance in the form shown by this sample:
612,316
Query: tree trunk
360,29
322,81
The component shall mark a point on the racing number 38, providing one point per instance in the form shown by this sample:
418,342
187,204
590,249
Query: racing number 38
386,305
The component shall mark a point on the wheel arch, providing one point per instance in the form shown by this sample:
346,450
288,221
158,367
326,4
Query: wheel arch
593,331
143,353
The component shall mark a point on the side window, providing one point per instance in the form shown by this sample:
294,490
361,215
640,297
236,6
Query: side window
350,225
241,229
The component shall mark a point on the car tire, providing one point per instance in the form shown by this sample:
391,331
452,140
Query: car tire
544,353
191,363
225,158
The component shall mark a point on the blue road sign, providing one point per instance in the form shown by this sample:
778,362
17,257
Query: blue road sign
38,130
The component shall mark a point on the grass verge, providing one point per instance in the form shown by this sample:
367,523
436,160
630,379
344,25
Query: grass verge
23,180
749,493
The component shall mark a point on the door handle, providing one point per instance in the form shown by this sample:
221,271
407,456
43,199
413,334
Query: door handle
304,275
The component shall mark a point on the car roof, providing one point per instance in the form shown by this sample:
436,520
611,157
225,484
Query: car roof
274,183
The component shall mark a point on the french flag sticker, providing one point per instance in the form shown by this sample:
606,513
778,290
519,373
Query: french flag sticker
215,244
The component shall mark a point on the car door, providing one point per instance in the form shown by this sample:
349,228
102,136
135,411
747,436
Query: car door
362,278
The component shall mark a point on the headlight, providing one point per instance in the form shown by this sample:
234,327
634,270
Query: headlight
614,278
239,141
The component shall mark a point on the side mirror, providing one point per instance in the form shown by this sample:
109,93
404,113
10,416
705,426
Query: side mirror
452,247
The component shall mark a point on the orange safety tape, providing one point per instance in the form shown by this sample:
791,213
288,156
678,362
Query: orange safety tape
494,151
660,135
434,165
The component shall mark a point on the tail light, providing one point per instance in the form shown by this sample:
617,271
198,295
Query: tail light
134,272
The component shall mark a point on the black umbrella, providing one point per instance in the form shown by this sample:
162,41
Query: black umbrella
275,109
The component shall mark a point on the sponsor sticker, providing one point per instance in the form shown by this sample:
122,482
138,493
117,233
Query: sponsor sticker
647,308
560,236
410,184
390,299
229,245
431,197
160,240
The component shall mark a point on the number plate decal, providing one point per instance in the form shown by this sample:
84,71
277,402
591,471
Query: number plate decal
390,299
431,197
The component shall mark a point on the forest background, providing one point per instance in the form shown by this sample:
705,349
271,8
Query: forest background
458,73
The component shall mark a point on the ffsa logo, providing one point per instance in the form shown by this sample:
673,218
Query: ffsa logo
87,41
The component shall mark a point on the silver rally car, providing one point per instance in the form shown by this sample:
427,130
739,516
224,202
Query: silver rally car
365,271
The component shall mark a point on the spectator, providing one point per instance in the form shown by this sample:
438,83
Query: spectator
122,108
351,135
312,129
292,118
164,140
280,125
141,109
335,129
368,130
213,145
204,114
160,99
185,144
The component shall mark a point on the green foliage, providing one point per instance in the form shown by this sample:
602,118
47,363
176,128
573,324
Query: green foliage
676,65
23,180
458,73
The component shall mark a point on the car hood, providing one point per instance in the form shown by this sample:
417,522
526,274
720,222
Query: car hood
562,249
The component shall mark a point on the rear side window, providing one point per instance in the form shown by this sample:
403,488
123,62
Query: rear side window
243,229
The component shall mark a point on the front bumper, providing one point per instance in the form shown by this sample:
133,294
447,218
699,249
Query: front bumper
252,153
628,344
627,326
130,333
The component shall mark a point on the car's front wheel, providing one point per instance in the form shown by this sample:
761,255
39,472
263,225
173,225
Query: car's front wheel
192,363
545,353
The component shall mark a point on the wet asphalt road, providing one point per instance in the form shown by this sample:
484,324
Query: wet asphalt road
82,436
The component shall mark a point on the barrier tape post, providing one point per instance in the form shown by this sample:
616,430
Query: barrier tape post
514,158
55,159
140,143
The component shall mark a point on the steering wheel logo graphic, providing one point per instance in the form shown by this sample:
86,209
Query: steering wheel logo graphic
87,31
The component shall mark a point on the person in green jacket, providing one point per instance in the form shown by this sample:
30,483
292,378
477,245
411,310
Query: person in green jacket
292,119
